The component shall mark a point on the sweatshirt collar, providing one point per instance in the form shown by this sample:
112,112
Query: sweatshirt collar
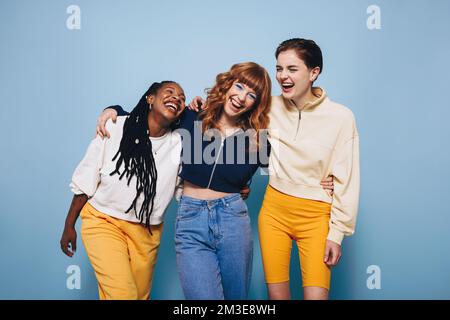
320,95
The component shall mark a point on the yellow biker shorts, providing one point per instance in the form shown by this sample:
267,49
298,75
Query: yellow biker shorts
284,218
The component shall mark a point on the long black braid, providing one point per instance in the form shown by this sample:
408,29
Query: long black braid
135,151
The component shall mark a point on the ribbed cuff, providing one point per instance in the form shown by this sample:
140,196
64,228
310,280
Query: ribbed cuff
335,236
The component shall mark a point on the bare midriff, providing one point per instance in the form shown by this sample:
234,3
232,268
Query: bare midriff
194,191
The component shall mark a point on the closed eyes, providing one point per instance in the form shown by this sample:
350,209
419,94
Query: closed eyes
241,87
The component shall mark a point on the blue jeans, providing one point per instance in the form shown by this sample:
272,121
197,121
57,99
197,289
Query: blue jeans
214,246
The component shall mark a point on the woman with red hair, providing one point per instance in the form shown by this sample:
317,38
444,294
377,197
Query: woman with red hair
213,237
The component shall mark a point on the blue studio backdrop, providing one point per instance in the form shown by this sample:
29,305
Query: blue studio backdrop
62,62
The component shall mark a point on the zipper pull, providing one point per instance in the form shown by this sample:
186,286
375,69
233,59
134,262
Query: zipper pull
298,123
215,163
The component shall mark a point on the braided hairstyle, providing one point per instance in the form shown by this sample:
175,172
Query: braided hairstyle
135,152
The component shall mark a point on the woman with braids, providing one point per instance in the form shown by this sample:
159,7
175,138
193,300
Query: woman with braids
213,237
122,188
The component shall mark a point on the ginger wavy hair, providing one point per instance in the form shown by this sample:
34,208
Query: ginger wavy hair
254,76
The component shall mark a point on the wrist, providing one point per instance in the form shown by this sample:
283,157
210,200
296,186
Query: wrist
70,224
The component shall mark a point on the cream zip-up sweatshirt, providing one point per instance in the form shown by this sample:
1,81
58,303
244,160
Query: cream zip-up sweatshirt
309,145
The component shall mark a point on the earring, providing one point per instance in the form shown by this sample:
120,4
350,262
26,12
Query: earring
150,107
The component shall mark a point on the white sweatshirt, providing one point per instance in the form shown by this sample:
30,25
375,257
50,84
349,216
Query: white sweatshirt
112,196
311,144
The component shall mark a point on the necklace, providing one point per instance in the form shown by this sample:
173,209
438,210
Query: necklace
162,139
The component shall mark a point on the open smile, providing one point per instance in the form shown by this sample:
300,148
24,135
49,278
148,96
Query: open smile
236,104
172,106
286,86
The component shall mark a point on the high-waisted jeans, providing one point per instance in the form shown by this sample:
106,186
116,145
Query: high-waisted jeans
214,247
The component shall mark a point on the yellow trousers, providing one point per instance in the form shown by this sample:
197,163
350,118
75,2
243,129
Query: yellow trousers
122,253
284,218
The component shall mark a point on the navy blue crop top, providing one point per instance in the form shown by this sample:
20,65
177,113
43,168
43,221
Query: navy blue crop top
209,161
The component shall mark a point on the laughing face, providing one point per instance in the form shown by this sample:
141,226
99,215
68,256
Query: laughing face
293,75
169,101
239,99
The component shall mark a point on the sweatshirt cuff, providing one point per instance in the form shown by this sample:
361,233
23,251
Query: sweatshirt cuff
335,236
75,189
